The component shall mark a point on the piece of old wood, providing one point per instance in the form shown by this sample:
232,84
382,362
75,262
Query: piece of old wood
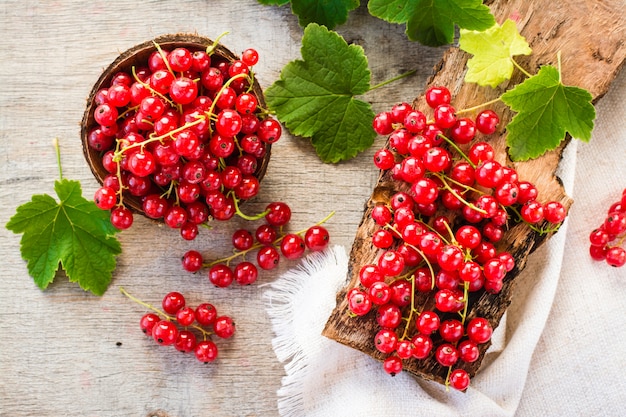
590,36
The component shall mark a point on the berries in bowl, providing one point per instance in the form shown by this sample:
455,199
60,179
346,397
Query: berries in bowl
176,129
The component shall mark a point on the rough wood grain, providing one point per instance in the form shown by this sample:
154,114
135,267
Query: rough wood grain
590,36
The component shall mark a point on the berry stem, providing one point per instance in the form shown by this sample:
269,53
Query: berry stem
211,48
457,195
465,299
241,213
258,245
162,313
459,151
413,309
481,105
389,81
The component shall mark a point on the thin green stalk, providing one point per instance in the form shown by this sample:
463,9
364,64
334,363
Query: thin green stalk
391,80
57,149
519,67
481,105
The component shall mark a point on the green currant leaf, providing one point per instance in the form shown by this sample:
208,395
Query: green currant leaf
392,11
432,22
329,13
73,232
546,110
315,96
492,50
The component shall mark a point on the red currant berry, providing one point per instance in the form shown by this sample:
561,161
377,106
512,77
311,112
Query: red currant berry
391,263
445,116
147,322
392,365
383,124
192,261
446,354
121,218
358,302
381,214
487,122
468,351
463,131
246,273
386,341
388,316
428,322
165,332
532,212
292,246
268,257
186,341
269,131
615,223
479,330
437,95
449,301
450,258
424,191
489,174
224,327
206,351
179,59
242,240
186,316
401,292
183,90
405,349
379,293
616,256
554,212
278,214
205,314
316,238
414,121
423,346
266,234
598,253
459,379
221,275
451,330
384,159
105,198
250,57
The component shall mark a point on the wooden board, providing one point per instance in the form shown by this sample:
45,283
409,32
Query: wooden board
590,37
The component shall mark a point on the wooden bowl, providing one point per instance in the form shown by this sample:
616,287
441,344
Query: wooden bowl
137,56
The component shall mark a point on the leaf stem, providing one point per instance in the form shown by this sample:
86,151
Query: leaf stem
519,67
389,81
57,150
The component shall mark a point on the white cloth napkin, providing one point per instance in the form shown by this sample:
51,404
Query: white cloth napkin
324,378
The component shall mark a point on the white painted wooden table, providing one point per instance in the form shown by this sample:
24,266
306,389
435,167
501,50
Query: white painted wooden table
64,352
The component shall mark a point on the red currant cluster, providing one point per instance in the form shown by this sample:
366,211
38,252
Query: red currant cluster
437,234
608,239
163,326
185,135
269,241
